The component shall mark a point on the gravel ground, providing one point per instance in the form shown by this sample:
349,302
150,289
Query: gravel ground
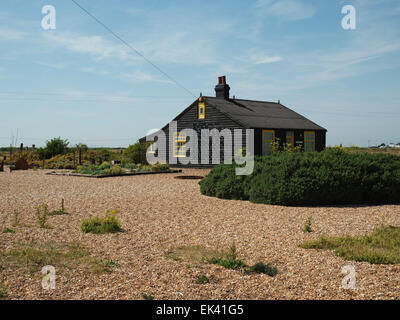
158,213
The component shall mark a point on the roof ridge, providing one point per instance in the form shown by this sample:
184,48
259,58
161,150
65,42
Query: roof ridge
229,100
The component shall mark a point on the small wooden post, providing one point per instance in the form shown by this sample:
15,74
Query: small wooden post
80,156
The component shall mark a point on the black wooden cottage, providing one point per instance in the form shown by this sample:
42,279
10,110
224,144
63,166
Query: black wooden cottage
271,121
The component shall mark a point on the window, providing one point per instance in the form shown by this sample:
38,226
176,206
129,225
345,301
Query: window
179,145
309,141
268,138
202,110
150,147
290,139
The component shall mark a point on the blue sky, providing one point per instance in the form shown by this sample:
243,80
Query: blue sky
80,83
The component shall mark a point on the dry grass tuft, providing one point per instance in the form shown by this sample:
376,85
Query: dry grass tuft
380,247
34,256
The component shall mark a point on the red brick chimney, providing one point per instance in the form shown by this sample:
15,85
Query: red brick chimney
222,89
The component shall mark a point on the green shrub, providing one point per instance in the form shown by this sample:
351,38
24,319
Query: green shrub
380,247
16,219
261,267
56,146
105,165
104,169
3,291
222,182
230,261
106,224
147,296
202,279
60,211
8,230
116,170
307,226
128,165
160,167
144,168
134,153
227,263
42,215
317,178
104,266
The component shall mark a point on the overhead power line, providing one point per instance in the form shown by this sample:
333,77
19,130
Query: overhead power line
132,48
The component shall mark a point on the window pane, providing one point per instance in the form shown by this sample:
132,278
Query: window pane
309,141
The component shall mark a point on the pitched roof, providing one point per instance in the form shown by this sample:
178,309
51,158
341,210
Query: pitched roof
262,114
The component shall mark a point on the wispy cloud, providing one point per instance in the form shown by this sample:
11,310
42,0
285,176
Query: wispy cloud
58,66
106,97
286,9
95,46
262,58
179,47
140,76
95,70
174,47
11,34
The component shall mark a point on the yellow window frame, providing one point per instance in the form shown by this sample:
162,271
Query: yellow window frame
150,147
290,139
264,147
309,140
201,110
179,142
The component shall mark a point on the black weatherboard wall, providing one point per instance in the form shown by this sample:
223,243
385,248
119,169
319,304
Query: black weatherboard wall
223,112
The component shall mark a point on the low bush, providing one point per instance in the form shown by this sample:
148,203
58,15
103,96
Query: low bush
230,261
42,215
103,169
115,170
59,162
330,177
146,296
261,267
16,221
202,279
227,263
143,167
8,230
60,211
3,291
104,266
105,165
109,223
307,226
135,153
56,146
160,167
